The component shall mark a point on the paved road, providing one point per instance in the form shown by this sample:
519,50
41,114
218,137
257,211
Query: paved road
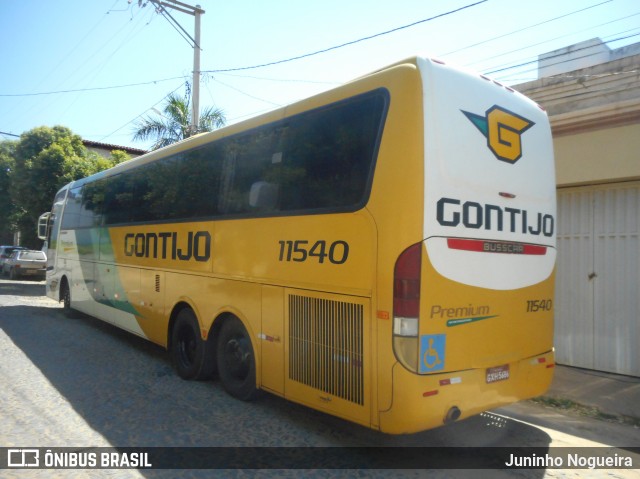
83,383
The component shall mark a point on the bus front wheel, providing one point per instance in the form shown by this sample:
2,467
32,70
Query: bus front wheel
236,360
65,298
192,356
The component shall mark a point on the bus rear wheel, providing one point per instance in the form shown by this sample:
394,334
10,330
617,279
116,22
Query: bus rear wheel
236,360
192,356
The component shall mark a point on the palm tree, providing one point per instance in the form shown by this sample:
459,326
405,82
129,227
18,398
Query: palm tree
175,124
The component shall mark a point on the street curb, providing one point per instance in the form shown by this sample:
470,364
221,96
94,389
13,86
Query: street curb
569,405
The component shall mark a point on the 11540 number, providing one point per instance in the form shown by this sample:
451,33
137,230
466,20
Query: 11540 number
535,305
302,250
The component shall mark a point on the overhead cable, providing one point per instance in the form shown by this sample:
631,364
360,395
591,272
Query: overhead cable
91,89
548,40
560,55
523,29
138,116
306,55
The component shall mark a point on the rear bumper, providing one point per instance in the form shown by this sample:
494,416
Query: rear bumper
31,273
425,402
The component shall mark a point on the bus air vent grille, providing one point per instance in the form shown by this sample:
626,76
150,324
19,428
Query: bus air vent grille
326,346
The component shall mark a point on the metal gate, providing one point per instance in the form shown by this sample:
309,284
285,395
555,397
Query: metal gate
598,278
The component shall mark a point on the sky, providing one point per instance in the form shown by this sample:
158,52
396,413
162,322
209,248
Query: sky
99,66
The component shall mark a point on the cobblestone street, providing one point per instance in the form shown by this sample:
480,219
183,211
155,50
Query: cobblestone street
83,383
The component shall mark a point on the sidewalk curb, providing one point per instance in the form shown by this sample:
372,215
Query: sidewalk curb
601,395
594,412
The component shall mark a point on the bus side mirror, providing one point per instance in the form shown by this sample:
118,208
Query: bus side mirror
43,223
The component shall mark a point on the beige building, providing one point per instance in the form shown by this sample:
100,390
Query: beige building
595,116
105,149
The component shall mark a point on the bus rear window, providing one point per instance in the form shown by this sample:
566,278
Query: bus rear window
33,256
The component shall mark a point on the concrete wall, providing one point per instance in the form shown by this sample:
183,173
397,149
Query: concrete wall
600,156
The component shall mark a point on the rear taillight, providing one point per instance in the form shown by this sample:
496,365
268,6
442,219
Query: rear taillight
406,306
406,283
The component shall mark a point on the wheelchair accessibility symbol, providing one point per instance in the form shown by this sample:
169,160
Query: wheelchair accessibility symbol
432,349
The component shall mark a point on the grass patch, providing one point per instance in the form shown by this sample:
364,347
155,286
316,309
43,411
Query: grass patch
581,409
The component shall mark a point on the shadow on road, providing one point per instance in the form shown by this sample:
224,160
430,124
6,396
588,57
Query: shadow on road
22,288
124,388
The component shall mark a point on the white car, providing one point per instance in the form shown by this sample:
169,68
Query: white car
5,253
29,263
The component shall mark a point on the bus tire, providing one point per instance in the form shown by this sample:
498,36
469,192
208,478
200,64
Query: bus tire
192,357
65,299
236,360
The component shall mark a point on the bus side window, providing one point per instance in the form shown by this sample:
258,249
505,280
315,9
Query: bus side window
119,201
83,207
263,196
330,155
247,186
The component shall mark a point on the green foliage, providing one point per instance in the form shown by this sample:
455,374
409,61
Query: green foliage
175,124
7,209
44,160
117,157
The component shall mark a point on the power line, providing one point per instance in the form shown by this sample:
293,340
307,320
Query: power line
309,54
49,75
174,23
152,82
226,71
317,53
89,89
71,51
92,74
550,40
81,67
244,93
491,72
281,80
138,116
560,55
250,67
525,28
306,55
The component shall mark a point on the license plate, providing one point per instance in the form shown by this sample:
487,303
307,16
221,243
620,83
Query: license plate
498,373
32,272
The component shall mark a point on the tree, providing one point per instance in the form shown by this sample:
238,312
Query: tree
7,210
174,125
45,159
117,156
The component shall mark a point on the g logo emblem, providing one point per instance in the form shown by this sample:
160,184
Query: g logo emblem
503,130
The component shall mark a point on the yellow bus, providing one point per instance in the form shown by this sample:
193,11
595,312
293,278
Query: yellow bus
383,251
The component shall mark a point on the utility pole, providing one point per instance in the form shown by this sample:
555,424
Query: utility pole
197,11
195,109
